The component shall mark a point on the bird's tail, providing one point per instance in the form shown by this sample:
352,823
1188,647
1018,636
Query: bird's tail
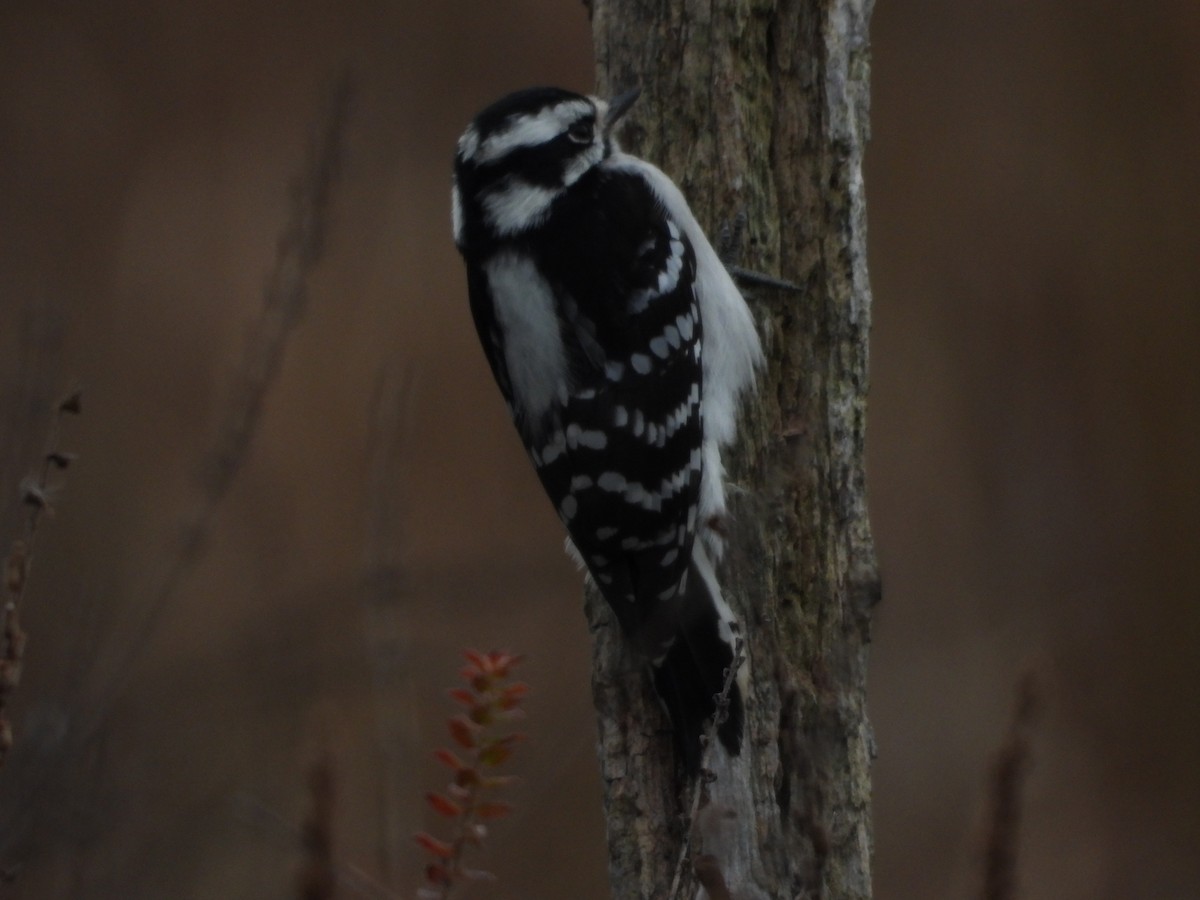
691,674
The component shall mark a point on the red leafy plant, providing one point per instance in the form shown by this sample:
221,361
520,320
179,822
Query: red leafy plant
483,743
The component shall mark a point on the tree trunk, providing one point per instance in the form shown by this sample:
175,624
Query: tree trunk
758,110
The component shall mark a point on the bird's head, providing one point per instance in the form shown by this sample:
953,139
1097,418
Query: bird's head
523,152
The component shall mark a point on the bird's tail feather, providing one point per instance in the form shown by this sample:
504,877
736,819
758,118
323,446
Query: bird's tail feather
691,674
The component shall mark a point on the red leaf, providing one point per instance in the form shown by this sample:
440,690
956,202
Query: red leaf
463,697
449,759
463,732
502,662
442,805
513,694
492,810
432,845
470,673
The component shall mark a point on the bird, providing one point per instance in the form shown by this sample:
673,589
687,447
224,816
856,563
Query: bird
624,351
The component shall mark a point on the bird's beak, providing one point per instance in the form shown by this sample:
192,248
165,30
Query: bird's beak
618,106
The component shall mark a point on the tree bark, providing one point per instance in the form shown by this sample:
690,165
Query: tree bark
758,110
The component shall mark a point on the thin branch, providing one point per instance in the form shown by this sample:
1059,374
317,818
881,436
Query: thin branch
28,392
318,877
284,301
1007,777
383,596
36,492
252,812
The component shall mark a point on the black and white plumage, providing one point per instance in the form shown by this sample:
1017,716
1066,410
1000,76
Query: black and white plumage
623,348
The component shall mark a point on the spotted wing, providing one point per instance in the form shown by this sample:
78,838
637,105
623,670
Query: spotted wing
622,458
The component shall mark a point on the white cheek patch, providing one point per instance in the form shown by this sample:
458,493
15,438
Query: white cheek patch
514,206
584,161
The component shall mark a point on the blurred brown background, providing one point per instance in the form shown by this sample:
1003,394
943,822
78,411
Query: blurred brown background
1033,192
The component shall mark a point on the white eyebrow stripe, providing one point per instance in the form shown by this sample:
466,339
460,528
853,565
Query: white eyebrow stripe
527,131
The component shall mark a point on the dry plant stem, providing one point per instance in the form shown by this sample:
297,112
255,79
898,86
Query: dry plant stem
758,109
284,301
265,820
710,736
35,493
1007,778
28,394
386,616
317,875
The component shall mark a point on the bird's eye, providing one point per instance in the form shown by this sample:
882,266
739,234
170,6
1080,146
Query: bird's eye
581,132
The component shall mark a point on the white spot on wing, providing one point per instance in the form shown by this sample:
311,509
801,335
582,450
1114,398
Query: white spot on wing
641,363
669,277
640,299
593,440
555,447
611,481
